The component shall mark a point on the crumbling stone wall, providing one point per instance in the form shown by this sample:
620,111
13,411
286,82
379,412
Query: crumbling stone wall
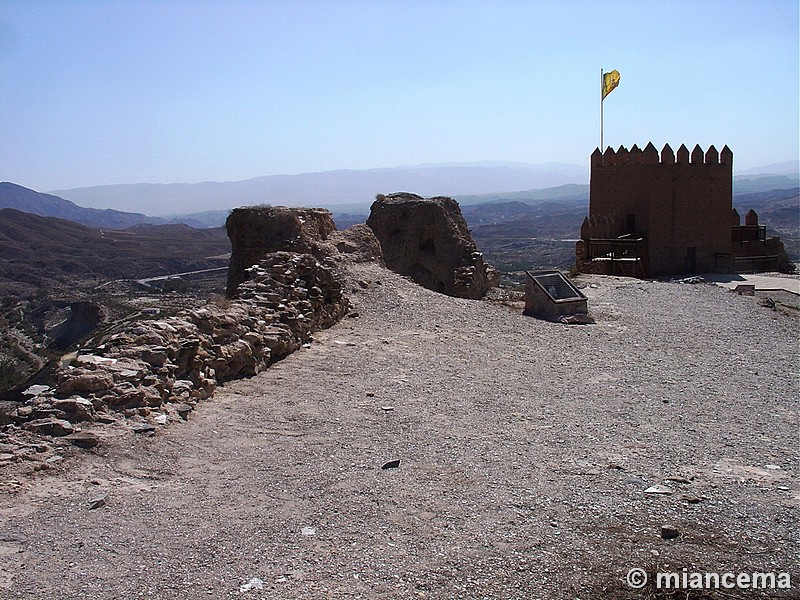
257,231
170,364
284,283
427,239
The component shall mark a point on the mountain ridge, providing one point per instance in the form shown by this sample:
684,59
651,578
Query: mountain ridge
353,187
24,199
47,204
17,197
326,188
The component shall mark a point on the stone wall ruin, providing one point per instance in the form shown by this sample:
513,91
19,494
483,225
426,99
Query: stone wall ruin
257,231
165,366
284,283
427,239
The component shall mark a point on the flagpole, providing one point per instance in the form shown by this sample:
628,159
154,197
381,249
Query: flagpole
601,112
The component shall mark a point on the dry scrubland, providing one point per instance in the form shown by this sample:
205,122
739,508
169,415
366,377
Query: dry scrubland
525,449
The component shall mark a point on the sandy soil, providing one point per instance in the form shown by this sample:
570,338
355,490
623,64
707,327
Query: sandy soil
525,448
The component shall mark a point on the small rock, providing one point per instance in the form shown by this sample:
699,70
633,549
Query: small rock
183,410
635,481
691,499
76,409
254,584
308,531
160,419
9,536
658,489
668,532
97,501
370,394
145,428
387,408
392,464
83,439
24,412
50,426
36,390
678,479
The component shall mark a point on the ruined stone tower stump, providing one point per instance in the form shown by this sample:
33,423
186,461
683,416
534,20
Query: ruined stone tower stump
427,239
257,231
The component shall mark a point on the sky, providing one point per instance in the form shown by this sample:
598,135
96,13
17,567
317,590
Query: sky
104,92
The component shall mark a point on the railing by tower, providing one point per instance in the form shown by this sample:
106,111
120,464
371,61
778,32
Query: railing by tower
625,255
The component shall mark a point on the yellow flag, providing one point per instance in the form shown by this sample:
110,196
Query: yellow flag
610,81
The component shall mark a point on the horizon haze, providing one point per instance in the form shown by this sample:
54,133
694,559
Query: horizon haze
351,187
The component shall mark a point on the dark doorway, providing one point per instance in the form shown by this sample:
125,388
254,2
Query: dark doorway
630,223
691,260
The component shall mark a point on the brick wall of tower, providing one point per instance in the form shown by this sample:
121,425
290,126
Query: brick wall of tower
677,200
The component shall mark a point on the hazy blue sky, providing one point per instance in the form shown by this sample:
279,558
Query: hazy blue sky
100,92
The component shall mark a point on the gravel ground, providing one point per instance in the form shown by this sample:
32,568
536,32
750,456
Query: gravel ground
525,450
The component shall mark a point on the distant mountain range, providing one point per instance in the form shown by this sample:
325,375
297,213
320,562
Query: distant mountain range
328,188
47,205
470,184
345,190
787,167
44,236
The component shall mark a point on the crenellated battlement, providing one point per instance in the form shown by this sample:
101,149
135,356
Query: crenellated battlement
651,156
677,204
657,213
605,226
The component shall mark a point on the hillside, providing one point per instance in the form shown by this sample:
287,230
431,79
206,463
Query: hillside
47,205
47,263
37,252
538,228
779,211
516,236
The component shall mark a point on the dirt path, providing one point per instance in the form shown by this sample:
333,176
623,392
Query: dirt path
525,451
